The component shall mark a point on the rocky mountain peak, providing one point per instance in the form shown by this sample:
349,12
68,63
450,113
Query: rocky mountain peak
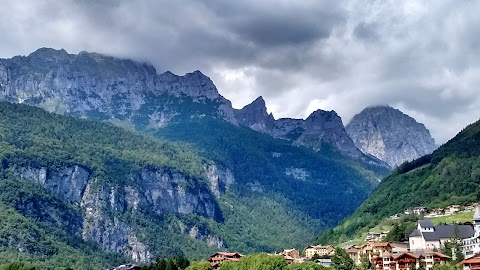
326,127
390,135
255,116
322,117
194,84
49,53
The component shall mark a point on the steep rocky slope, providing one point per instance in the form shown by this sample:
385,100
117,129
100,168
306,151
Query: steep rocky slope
390,135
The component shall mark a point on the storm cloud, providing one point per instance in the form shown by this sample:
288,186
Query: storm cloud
422,57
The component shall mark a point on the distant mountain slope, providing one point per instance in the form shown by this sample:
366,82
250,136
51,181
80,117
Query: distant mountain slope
319,128
450,175
390,135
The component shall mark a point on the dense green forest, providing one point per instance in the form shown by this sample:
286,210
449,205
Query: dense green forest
334,184
450,175
263,210
39,226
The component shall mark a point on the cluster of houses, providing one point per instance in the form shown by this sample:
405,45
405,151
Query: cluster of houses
395,256
421,251
437,212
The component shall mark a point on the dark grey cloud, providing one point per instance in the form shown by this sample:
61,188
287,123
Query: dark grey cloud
422,57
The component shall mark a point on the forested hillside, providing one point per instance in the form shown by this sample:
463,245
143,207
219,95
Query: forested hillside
43,222
311,181
450,175
94,183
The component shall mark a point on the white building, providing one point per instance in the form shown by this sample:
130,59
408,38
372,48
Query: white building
428,237
471,246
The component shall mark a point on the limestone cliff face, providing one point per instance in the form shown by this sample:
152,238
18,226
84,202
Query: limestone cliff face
390,135
100,205
101,87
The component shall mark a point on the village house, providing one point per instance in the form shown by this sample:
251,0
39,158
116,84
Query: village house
452,209
399,247
395,217
425,259
382,256
219,257
437,212
472,263
376,236
320,250
372,250
353,252
290,255
470,207
419,210
368,251
428,236
324,262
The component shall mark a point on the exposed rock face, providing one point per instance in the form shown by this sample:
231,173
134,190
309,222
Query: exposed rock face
220,179
319,129
255,116
101,87
69,182
202,234
327,127
390,135
101,205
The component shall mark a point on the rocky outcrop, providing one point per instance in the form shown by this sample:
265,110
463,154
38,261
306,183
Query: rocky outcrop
255,116
101,205
390,135
69,182
203,234
220,179
101,87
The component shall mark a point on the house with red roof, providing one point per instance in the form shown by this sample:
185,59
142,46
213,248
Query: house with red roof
472,263
219,257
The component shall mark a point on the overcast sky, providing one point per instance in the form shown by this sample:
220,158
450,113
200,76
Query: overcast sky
422,57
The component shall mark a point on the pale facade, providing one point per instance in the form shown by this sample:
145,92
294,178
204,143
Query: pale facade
430,237
321,251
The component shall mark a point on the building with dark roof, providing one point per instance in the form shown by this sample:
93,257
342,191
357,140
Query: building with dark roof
428,237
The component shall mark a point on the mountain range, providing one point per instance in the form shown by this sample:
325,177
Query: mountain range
186,173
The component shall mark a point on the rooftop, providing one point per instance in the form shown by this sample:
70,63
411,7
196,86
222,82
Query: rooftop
447,231
425,223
